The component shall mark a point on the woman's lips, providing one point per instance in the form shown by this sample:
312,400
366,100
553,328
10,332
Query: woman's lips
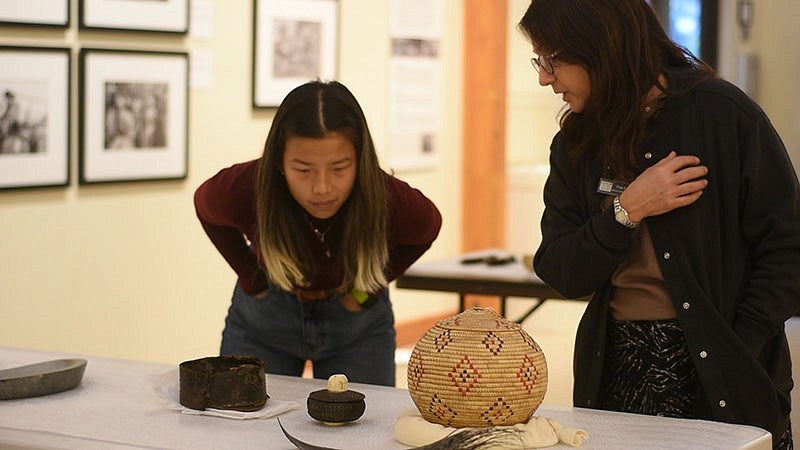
323,205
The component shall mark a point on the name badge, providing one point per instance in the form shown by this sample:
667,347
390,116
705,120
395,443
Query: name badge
611,187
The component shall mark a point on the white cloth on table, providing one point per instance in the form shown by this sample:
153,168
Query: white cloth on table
413,430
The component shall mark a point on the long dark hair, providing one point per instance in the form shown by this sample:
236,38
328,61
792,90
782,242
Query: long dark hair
624,48
315,110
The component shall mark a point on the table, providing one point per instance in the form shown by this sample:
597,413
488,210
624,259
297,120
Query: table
115,408
508,280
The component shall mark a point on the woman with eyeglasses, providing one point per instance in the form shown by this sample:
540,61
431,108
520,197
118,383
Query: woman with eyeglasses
315,231
672,202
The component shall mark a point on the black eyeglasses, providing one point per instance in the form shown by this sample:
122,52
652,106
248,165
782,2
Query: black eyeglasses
545,62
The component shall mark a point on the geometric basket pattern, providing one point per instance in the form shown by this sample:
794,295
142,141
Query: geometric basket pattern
477,369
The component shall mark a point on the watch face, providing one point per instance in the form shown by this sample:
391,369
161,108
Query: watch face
621,217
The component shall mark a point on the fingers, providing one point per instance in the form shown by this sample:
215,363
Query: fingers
689,188
682,168
691,173
673,182
675,162
688,199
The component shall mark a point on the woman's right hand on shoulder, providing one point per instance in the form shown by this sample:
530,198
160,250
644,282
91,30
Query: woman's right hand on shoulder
672,183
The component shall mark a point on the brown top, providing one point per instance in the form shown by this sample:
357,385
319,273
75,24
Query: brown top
639,289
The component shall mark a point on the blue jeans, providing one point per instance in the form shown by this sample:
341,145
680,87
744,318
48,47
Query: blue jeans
285,333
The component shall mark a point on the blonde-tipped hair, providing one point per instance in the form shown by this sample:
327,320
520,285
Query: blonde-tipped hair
315,110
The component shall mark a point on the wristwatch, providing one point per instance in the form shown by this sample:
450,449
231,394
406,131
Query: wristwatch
621,215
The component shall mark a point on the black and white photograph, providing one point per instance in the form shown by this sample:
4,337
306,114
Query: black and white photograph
297,51
164,16
42,13
23,118
134,115
34,117
294,41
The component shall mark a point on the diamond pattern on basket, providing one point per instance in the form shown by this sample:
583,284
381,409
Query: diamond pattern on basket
528,374
440,409
465,376
442,340
416,369
498,413
493,343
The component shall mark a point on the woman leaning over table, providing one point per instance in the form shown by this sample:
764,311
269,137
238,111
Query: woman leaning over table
671,200
316,230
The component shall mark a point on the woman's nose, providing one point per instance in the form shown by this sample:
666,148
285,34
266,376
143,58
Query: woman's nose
322,183
545,78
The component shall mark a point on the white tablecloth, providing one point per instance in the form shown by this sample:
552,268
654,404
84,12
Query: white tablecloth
115,407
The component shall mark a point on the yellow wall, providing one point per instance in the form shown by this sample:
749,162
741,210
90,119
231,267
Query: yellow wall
125,270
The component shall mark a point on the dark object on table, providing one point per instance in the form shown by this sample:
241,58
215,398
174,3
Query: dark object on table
223,382
491,260
336,404
39,379
469,439
300,444
478,439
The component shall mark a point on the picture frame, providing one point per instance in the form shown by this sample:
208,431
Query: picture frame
44,13
163,16
294,41
134,112
34,116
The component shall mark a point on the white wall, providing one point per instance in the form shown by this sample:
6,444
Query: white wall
774,40
125,270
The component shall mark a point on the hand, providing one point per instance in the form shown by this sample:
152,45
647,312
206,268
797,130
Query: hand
350,303
672,183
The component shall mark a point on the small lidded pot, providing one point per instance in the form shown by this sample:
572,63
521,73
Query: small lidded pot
337,404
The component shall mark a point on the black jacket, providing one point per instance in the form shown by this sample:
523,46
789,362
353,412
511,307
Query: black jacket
731,260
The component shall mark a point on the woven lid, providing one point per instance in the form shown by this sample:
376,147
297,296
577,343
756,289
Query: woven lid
477,369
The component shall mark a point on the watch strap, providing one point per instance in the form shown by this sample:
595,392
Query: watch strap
621,215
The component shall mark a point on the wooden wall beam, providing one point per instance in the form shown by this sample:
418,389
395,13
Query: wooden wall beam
484,133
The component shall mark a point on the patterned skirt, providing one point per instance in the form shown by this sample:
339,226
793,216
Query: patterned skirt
648,369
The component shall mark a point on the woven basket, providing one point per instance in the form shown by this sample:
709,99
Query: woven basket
477,369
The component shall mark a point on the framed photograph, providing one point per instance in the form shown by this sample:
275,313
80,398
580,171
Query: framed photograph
50,13
34,117
166,16
294,41
134,108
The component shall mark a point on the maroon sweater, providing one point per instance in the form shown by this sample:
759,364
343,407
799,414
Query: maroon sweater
225,205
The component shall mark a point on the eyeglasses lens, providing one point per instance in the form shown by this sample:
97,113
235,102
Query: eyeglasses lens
543,62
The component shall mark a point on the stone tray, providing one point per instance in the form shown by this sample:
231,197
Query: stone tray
43,378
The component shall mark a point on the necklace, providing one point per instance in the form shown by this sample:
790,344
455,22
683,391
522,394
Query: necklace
320,234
